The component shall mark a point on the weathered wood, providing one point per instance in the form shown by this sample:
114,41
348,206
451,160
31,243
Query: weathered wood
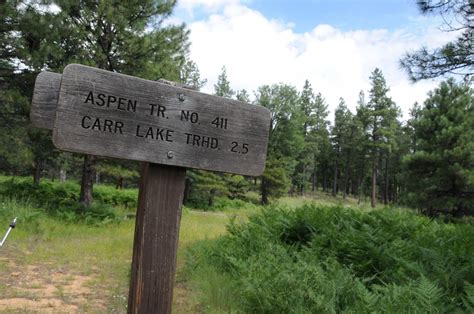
45,100
156,239
115,115
46,94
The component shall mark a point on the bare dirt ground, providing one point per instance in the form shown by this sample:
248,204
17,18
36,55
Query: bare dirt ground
42,288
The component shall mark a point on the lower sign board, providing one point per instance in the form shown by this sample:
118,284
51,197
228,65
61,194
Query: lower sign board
114,115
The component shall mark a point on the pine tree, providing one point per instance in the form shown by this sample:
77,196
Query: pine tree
441,169
286,136
456,57
401,148
362,138
306,158
191,76
411,123
275,179
243,96
341,136
22,148
222,87
319,138
381,117
204,186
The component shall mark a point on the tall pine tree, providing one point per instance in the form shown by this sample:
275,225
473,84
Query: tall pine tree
286,137
381,117
341,136
441,169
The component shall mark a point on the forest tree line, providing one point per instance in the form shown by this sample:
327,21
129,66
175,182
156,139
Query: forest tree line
371,154
425,162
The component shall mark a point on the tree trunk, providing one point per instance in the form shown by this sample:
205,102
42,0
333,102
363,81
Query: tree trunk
346,167
37,174
334,183
325,183
313,182
187,190
119,184
393,190
210,200
302,184
385,198
360,190
346,177
374,184
264,192
88,178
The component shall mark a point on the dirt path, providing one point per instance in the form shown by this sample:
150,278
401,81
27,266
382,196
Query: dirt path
63,271
42,288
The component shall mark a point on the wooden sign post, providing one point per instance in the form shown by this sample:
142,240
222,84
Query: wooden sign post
168,128
156,238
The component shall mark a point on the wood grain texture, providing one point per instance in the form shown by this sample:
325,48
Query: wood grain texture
88,92
156,239
45,100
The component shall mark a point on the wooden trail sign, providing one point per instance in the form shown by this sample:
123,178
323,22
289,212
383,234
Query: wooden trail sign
45,100
109,114
114,115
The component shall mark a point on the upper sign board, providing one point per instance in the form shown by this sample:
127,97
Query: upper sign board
114,115
45,100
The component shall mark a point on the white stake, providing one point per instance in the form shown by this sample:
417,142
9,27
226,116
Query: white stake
12,225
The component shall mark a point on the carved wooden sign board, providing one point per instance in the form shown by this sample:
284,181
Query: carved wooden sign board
114,115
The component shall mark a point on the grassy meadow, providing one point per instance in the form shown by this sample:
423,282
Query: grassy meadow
312,254
46,243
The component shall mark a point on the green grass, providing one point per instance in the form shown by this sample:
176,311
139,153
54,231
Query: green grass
102,252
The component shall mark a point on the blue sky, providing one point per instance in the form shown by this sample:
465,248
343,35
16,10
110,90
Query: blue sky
344,14
305,14
334,44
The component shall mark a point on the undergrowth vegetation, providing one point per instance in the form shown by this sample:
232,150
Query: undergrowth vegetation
61,200
305,256
323,259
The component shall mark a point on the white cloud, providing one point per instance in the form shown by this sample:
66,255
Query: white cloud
208,5
257,50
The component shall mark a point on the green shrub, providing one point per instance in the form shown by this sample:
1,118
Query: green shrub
96,214
335,259
46,194
52,195
61,199
219,204
223,203
110,195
